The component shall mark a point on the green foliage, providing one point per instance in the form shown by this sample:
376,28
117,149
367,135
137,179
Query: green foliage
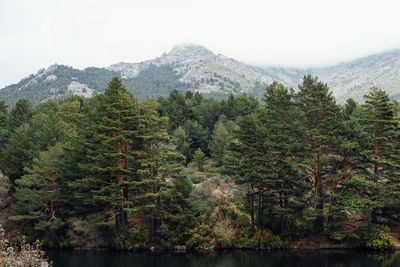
299,229
37,194
198,236
374,237
383,129
129,239
337,233
112,169
220,139
199,159
262,239
155,81
265,239
20,114
82,234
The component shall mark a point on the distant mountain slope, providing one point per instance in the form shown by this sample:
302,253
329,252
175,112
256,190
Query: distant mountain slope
354,78
198,69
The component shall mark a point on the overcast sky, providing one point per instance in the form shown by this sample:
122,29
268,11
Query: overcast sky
83,33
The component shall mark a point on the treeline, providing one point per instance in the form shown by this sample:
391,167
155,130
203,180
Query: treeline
111,168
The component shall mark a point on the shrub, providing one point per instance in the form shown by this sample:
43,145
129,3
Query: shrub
224,234
374,237
337,233
23,255
129,238
198,236
298,229
199,159
262,239
243,220
244,238
84,236
265,239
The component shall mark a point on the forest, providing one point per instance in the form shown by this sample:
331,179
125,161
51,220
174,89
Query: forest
190,172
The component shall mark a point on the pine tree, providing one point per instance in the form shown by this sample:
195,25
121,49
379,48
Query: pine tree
46,129
20,114
37,192
155,193
219,140
16,154
321,121
281,184
180,140
199,159
111,160
383,128
244,161
3,127
76,166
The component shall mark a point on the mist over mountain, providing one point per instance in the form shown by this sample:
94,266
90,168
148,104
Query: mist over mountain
196,68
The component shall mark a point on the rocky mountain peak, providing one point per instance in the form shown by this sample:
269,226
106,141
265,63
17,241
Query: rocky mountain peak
189,51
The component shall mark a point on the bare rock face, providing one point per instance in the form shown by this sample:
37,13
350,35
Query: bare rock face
76,88
50,78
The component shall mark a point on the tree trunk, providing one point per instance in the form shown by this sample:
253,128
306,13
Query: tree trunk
260,213
253,228
319,221
284,217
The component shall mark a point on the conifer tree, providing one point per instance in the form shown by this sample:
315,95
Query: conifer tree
383,128
282,185
155,193
111,160
46,129
180,139
244,162
3,127
199,159
20,114
37,192
219,140
16,154
321,121
76,166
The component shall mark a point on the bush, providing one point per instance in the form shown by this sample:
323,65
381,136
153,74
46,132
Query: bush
262,239
84,236
337,233
199,159
22,255
198,237
298,229
265,239
244,238
129,238
224,234
374,237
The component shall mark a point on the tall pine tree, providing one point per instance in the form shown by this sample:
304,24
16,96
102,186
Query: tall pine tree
383,128
321,121
111,160
282,184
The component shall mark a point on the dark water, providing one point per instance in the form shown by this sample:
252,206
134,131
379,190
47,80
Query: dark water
337,258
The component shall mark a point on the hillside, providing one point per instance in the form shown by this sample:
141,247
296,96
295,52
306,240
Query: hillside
198,69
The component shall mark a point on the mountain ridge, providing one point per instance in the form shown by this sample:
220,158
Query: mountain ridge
199,69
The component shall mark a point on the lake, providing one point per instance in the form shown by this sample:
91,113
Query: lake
242,258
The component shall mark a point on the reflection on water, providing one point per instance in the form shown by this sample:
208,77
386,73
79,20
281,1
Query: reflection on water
334,258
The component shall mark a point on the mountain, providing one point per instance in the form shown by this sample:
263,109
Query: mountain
354,78
198,69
